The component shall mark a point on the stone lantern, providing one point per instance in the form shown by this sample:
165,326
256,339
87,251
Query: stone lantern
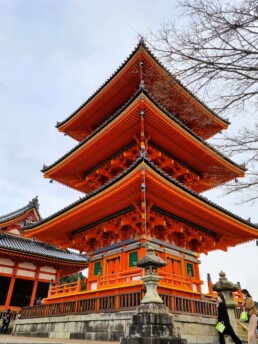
150,263
227,288
152,323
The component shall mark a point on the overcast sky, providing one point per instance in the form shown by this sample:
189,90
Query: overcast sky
54,55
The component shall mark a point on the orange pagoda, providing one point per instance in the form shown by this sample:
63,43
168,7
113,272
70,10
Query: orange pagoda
142,161
27,266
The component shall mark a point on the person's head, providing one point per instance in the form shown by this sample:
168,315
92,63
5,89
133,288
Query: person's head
245,293
221,297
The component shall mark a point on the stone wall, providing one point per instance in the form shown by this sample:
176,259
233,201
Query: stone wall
110,327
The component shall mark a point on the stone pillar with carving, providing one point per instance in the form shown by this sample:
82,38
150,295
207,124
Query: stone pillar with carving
226,287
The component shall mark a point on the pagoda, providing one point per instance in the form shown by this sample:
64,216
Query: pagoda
142,161
27,266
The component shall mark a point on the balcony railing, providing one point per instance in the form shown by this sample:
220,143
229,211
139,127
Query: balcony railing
122,278
121,302
62,289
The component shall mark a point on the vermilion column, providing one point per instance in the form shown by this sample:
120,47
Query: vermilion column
35,286
124,263
10,290
58,275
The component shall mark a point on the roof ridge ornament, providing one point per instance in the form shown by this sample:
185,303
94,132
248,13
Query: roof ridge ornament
142,86
45,167
143,152
34,202
141,40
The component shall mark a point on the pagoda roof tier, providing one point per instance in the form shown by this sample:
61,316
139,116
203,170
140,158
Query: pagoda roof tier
143,69
162,130
12,245
164,196
19,214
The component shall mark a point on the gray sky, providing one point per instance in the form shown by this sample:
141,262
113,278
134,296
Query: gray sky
54,55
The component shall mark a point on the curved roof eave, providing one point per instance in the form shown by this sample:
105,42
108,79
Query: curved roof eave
139,45
119,111
12,243
123,174
19,212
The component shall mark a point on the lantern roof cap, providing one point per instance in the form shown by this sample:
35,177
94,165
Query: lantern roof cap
151,259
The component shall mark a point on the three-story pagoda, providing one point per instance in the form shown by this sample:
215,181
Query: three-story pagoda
142,161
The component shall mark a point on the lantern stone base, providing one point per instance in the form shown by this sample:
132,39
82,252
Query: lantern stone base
152,324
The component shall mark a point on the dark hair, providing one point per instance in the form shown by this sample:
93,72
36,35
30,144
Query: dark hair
222,297
245,291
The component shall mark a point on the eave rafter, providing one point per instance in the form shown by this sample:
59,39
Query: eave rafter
204,226
182,155
199,212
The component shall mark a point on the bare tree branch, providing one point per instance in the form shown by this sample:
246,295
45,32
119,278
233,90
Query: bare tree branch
215,54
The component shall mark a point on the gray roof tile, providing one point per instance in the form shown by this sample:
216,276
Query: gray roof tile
34,247
16,213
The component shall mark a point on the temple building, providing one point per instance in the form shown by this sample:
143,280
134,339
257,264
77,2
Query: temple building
142,160
28,265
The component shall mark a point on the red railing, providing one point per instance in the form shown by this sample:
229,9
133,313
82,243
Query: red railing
116,303
121,278
118,279
62,289
178,280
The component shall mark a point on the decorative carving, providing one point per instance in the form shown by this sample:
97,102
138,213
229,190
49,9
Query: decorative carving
173,168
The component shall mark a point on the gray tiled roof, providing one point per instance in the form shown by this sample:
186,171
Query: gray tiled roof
16,213
38,248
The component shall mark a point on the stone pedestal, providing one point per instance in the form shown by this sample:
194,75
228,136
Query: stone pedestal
151,296
152,324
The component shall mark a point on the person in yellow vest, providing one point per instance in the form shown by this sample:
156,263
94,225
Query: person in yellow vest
252,313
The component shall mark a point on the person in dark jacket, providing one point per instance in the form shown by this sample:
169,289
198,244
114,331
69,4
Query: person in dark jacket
6,321
224,318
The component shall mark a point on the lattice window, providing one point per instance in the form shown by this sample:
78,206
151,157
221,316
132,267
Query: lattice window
190,269
97,269
133,259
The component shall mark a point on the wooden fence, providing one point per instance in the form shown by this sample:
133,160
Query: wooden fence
121,302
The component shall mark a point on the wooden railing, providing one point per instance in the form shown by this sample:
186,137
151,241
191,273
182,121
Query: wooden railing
120,279
122,302
184,282
62,289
